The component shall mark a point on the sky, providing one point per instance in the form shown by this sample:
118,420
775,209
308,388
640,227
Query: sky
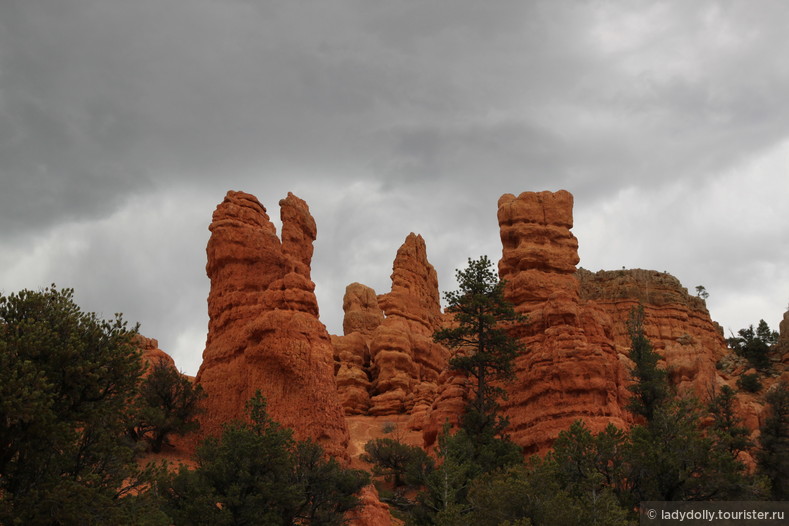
123,124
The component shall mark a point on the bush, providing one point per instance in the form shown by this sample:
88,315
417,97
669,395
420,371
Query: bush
402,462
750,383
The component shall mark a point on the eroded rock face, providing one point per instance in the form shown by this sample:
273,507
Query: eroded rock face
371,511
362,313
783,339
387,362
406,362
570,368
263,331
678,324
352,351
575,365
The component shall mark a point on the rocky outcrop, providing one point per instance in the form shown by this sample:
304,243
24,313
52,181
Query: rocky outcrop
570,368
783,339
678,324
371,511
151,353
362,313
387,362
406,362
352,351
575,364
263,331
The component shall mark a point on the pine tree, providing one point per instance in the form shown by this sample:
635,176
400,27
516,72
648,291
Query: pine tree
773,455
483,348
256,473
651,386
755,344
66,378
168,404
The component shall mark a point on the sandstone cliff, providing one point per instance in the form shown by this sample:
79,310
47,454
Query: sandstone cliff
678,324
263,332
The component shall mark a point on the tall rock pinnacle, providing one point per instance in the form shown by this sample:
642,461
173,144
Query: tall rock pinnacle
263,331
570,368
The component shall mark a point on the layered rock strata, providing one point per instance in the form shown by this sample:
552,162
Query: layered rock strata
389,342
264,333
406,362
570,368
677,324
352,350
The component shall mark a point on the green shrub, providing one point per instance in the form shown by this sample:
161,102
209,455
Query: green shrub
750,383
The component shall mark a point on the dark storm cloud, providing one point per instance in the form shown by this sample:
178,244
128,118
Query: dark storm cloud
122,124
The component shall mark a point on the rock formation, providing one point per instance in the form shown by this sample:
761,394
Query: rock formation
575,363
151,353
783,339
263,331
388,363
352,351
570,368
678,324
405,360
371,511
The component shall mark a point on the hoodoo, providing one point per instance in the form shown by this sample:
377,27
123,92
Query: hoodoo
388,362
264,332
570,368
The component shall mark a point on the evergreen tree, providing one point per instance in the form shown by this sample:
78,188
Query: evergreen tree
587,465
256,473
535,495
404,463
66,378
482,348
443,500
755,344
651,387
773,455
168,404
670,458
728,432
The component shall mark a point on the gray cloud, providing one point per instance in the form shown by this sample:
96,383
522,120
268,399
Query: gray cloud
122,124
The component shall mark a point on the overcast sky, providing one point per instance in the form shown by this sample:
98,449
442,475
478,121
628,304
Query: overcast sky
124,123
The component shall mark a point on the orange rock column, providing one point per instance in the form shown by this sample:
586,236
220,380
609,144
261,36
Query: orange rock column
563,375
264,332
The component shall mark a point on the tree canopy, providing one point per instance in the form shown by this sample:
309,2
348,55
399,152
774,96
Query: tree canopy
481,345
168,404
755,344
256,473
66,379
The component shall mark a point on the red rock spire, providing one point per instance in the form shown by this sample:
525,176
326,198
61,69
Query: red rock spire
264,333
